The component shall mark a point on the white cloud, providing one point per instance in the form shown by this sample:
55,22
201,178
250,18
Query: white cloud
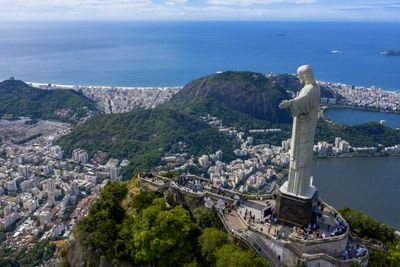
73,2
176,2
258,2
318,10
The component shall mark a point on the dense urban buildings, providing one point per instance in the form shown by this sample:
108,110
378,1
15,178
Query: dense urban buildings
43,194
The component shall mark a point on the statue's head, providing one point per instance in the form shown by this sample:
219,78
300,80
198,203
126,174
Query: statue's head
306,75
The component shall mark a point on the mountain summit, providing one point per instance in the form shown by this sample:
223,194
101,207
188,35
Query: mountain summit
246,92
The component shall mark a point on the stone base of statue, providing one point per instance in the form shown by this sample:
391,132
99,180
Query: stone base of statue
294,209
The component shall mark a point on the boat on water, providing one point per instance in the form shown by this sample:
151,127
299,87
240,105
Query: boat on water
391,52
336,52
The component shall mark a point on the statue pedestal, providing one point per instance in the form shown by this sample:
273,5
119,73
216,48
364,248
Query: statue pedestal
295,209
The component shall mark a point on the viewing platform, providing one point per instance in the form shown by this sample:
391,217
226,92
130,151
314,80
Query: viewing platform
251,219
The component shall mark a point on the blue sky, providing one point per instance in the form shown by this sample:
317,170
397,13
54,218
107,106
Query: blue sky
286,10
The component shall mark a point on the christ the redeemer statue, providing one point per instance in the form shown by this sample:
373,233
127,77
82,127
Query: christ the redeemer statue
304,109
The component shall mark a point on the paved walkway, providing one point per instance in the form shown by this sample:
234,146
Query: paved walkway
234,222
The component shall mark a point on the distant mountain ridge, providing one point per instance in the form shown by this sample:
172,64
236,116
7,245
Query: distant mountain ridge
19,99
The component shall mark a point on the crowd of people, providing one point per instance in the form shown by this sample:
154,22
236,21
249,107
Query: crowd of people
341,226
312,231
249,216
354,252
193,184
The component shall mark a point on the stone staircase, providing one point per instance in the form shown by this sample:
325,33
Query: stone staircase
296,249
259,245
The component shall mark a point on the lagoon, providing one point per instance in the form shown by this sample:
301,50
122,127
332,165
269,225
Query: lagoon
357,116
371,185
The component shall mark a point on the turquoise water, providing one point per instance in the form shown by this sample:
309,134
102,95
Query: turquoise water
355,116
173,53
371,185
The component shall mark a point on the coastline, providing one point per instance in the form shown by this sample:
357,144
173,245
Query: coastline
337,86
94,92
51,86
326,107
358,155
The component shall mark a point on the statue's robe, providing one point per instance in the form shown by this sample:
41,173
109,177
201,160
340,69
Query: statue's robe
304,110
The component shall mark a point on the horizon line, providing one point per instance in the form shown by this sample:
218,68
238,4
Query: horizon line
197,21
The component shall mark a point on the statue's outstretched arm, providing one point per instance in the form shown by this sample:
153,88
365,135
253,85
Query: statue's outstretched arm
303,104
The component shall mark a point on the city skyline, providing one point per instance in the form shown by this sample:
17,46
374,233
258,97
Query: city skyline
201,10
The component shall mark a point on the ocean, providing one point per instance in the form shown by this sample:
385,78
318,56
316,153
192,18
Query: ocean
174,53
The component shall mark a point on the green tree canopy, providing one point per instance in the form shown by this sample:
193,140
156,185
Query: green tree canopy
98,230
211,240
142,200
230,255
364,226
153,233
162,236
204,217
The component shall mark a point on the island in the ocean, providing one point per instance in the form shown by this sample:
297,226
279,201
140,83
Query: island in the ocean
391,52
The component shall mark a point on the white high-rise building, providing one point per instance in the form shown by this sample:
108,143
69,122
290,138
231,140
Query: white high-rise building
337,141
74,188
23,170
321,147
7,210
26,186
80,156
250,140
11,186
56,152
47,169
51,201
344,146
204,161
8,220
286,145
51,186
113,173
31,204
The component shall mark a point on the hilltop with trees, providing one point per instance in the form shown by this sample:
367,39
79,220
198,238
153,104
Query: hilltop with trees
18,99
132,228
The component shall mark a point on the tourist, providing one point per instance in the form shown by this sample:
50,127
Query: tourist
345,255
